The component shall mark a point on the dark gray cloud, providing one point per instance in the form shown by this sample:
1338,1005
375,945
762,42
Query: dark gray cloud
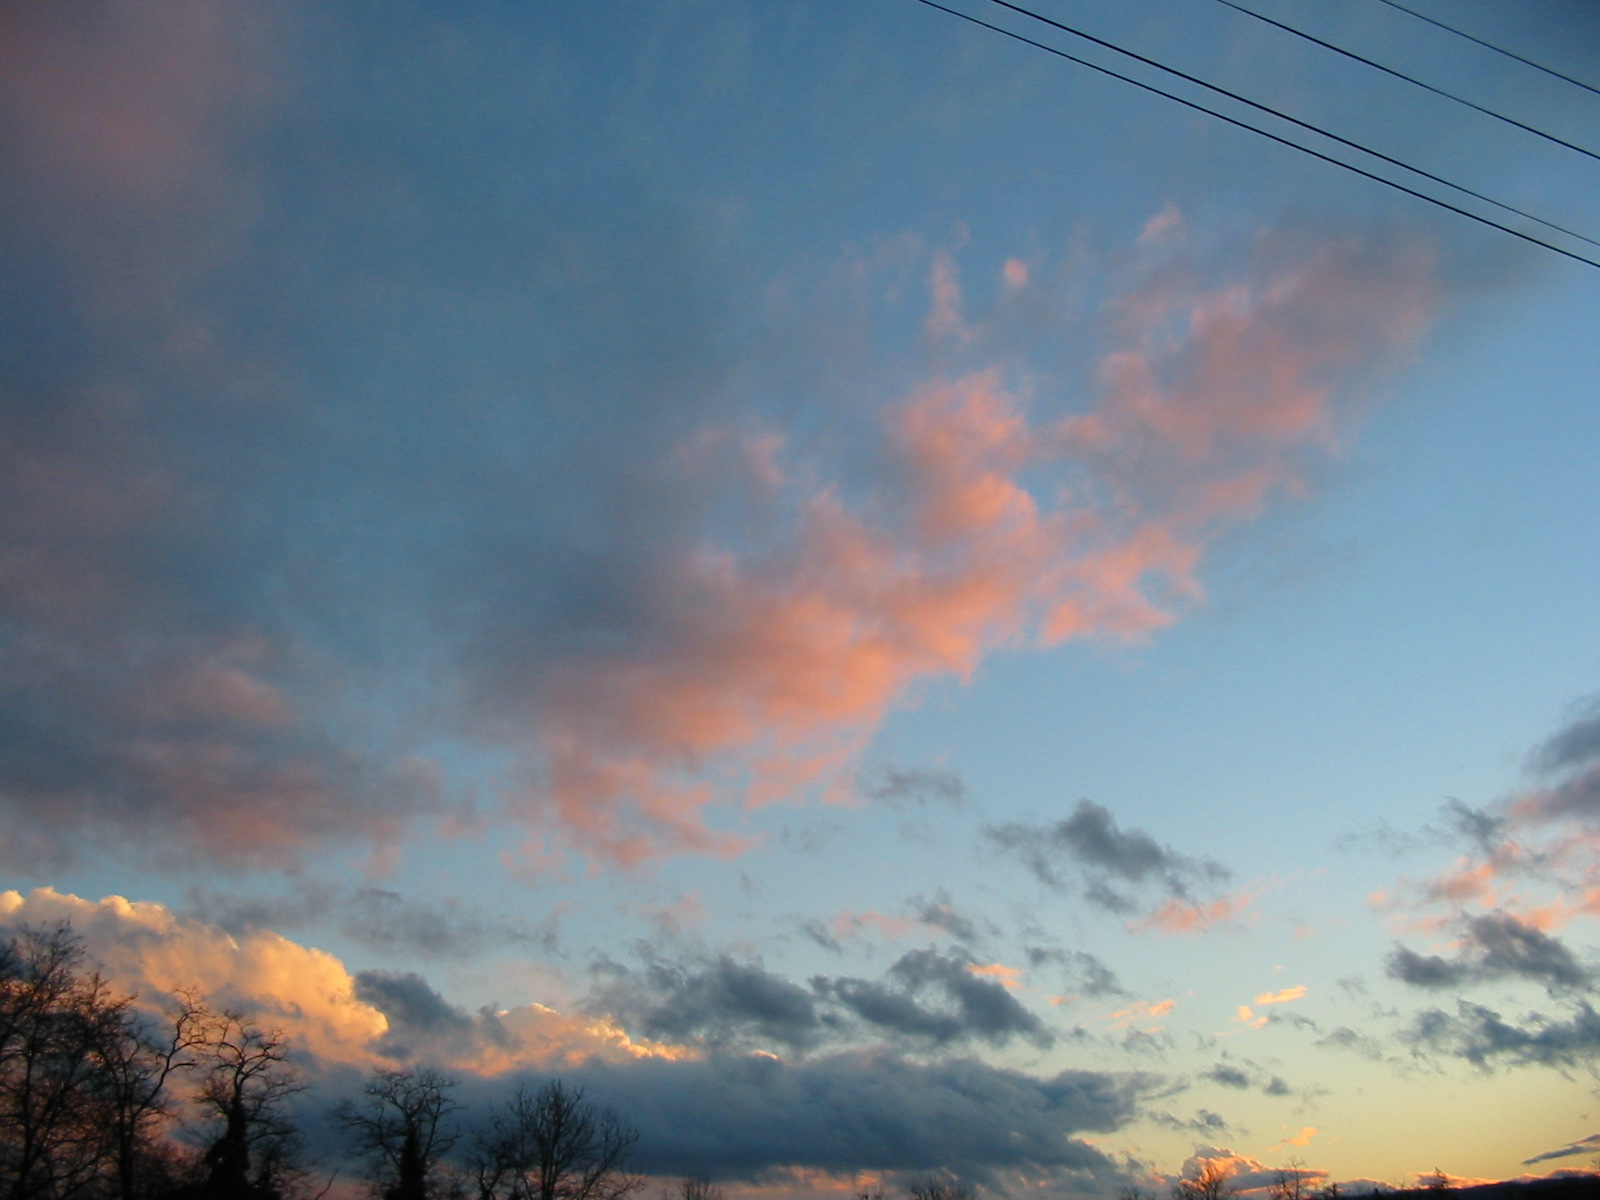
935,997
1494,946
1245,1076
1227,1076
1578,796
747,1117
717,1002
1576,744
1588,1145
1482,1037
904,786
1083,972
408,1000
1343,1037
941,914
1204,1122
1089,851
925,997
422,1023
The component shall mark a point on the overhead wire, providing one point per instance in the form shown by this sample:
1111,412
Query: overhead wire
1411,79
1283,116
1266,133
1491,46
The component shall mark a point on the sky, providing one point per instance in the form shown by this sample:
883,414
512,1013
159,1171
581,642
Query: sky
886,604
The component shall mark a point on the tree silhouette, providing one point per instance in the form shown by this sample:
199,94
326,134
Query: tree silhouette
1210,1183
403,1128
554,1145
252,1150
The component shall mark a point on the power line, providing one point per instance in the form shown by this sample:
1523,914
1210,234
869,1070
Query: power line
1328,158
1411,79
1283,116
1490,45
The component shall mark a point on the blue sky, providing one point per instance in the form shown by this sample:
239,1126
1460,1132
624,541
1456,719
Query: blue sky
818,561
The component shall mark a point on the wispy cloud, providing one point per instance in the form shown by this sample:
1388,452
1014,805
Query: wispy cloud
241,513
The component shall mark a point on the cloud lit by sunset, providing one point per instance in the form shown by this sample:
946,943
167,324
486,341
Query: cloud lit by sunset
891,608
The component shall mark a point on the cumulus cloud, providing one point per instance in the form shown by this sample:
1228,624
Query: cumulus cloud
148,950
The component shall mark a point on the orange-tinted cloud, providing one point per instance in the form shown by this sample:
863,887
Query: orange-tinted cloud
1180,916
1283,996
999,529
147,950
1144,1015
1009,977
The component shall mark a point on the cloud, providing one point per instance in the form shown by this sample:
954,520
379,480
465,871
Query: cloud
741,1117
1577,744
146,949
1250,1176
1227,1076
302,470
1177,915
1088,848
380,918
1493,946
425,1027
1282,996
967,1003
941,914
1483,1038
1084,972
899,786
1588,1145
716,1003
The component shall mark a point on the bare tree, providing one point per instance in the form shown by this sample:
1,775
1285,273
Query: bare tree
403,1128
1210,1183
938,1189
252,1150
554,1145
55,1015
1290,1183
695,1187
138,1063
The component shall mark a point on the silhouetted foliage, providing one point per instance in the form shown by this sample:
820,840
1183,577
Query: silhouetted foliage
554,1145
403,1128
937,1189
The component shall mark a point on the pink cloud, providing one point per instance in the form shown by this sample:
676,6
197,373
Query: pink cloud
1000,529
1182,916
